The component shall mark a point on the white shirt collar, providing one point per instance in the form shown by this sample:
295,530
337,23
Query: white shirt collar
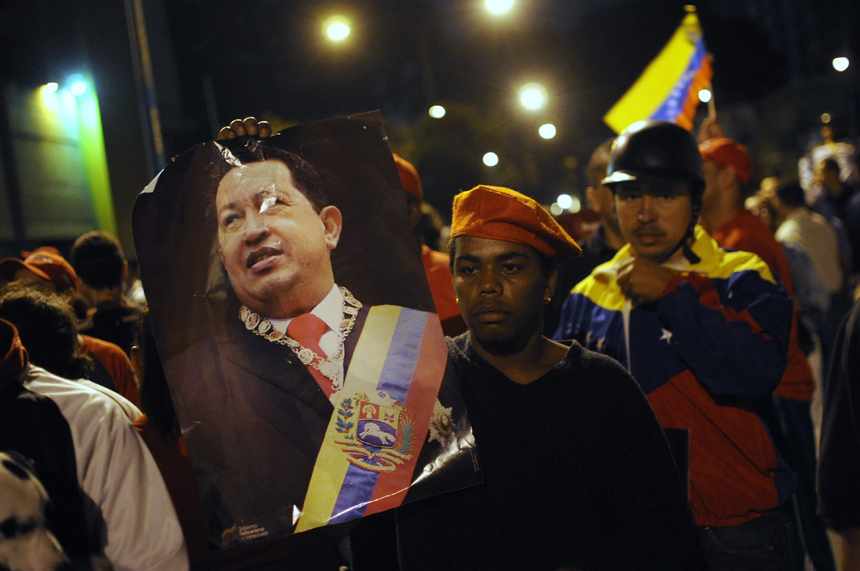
330,310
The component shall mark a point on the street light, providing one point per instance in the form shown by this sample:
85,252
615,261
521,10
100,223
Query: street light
491,159
840,63
565,201
336,28
547,131
499,6
437,111
533,96
704,95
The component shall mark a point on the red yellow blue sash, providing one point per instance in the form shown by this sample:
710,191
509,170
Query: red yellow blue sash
380,419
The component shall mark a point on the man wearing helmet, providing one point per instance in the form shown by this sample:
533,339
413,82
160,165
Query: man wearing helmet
704,332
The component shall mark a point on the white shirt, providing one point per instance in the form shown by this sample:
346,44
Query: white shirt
815,235
117,472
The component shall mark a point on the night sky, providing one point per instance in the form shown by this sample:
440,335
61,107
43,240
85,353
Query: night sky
268,58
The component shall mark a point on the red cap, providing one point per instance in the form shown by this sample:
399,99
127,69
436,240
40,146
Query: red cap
500,213
729,153
409,177
45,264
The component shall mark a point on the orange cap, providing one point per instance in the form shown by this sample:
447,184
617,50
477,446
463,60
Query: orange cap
729,153
45,264
409,177
500,213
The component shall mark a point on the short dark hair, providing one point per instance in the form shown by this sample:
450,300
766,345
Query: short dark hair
98,260
791,193
305,177
47,329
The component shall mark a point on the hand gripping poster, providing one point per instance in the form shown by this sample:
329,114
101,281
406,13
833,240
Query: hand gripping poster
298,335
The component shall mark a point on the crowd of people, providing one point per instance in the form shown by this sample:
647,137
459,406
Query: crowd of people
678,391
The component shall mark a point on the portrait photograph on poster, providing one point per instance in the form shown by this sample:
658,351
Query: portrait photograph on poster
302,350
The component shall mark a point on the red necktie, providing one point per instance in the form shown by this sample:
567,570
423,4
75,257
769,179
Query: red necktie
308,329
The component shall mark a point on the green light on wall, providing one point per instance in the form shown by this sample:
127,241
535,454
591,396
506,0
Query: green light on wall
72,111
94,158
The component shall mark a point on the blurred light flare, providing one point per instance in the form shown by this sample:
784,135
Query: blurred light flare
533,96
76,84
704,95
555,209
78,88
437,111
499,6
547,131
491,159
565,201
840,63
49,95
336,28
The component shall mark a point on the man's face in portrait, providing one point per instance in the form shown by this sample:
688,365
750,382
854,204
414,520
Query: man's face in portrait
654,216
274,245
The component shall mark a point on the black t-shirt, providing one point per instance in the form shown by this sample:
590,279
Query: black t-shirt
578,474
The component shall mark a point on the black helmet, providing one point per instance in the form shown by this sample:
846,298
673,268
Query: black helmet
655,150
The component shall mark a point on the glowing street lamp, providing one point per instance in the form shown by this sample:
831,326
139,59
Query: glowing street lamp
565,201
704,95
840,63
336,28
499,6
437,111
491,159
547,131
533,96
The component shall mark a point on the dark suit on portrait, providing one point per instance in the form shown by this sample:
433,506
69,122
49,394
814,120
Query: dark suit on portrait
254,420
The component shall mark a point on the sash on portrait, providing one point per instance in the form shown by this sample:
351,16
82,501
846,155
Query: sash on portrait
381,418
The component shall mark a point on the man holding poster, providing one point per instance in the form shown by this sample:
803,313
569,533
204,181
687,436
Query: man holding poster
301,405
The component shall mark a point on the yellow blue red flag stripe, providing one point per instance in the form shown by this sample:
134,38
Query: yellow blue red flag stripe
395,374
668,88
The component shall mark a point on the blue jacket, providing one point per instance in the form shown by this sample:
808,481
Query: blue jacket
708,354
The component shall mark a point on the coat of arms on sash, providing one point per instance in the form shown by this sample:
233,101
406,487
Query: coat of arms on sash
375,435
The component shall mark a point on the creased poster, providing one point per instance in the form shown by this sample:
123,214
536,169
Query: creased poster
297,331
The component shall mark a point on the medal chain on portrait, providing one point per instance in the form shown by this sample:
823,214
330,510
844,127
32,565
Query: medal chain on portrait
328,367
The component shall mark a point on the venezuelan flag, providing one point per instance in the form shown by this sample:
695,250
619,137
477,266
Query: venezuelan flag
668,89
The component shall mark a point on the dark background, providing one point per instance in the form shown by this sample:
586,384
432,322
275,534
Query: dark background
197,64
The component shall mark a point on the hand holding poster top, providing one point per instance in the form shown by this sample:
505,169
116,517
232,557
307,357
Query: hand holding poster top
298,334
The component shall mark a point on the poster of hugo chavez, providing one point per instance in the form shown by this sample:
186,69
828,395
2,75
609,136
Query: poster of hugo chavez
297,332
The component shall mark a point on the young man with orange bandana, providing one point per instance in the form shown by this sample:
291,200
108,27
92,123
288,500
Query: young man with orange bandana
577,471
